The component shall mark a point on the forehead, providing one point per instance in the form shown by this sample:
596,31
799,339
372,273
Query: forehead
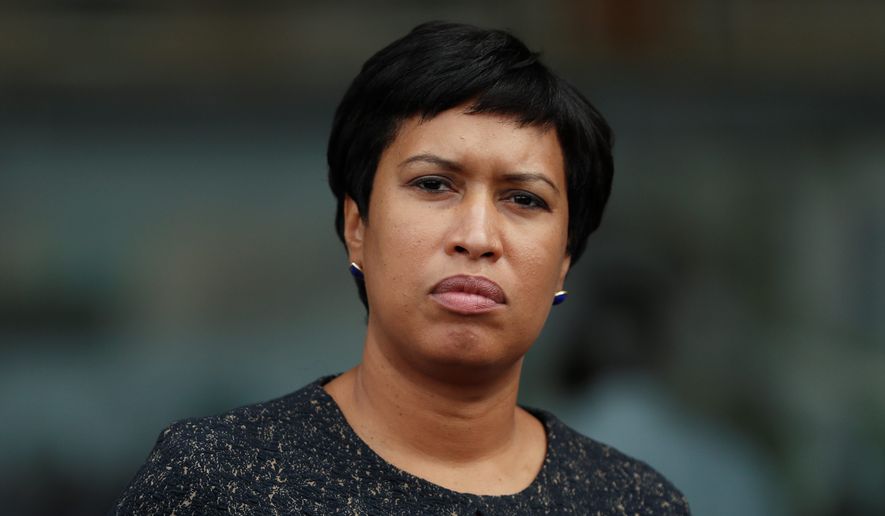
480,141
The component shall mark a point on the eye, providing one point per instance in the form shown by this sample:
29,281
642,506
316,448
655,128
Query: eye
432,184
527,200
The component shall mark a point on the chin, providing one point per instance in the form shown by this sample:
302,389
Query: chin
469,348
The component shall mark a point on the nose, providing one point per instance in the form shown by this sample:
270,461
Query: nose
475,231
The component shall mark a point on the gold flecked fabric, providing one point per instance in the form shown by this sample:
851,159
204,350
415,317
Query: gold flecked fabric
298,455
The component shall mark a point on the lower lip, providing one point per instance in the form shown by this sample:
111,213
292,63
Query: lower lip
466,304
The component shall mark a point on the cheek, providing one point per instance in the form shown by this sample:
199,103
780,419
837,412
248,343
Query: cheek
539,260
538,280
404,241
398,248
406,230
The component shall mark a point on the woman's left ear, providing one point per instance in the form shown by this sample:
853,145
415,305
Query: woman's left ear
354,230
566,263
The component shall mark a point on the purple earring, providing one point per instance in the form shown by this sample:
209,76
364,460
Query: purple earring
355,271
559,297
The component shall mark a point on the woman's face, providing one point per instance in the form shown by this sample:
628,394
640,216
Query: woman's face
465,242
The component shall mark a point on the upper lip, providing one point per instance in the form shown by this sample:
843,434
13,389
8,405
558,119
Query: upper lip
471,285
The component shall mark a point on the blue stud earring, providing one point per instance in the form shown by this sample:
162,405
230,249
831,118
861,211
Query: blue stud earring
355,271
559,297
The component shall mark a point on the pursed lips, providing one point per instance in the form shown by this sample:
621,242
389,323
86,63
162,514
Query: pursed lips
468,295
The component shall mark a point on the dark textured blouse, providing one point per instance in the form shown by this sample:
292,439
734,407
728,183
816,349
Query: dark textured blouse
298,455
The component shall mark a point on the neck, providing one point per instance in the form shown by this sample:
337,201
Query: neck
407,413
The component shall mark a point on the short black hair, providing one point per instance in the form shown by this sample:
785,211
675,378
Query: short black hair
438,66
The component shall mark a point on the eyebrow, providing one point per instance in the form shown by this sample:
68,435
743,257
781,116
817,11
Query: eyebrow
433,159
530,177
454,166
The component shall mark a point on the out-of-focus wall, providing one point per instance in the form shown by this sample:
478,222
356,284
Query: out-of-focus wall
167,247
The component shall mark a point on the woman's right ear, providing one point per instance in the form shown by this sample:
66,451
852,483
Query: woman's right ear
354,230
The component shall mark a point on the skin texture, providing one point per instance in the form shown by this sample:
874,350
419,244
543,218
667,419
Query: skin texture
436,391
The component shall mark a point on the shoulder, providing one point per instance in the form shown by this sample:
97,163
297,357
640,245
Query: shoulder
244,429
201,465
610,480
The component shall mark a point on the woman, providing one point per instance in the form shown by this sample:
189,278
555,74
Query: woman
468,179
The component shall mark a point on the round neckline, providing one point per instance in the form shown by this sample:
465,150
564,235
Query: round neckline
534,486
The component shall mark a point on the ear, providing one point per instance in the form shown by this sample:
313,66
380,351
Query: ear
566,263
354,230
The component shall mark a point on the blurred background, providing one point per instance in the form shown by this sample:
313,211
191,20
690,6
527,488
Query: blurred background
167,246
